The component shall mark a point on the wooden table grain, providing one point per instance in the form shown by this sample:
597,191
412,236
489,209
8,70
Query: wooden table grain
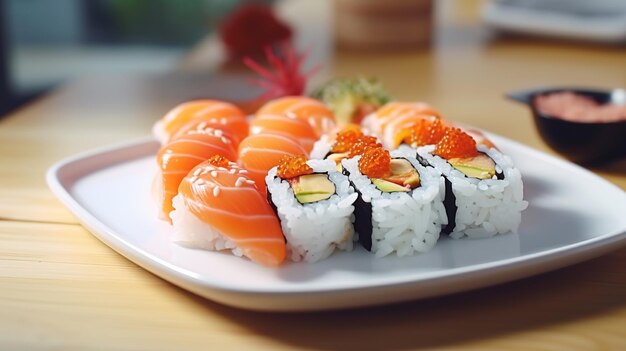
60,288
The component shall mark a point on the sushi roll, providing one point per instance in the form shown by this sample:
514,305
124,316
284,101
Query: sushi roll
483,189
399,208
218,208
314,204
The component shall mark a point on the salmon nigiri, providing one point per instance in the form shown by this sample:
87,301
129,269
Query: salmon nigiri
218,208
183,153
221,115
259,153
281,124
320,117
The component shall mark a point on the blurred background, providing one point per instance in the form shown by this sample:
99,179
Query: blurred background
47,42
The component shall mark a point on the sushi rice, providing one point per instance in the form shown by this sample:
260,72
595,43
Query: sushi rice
189,231
313,231
321,148
402,222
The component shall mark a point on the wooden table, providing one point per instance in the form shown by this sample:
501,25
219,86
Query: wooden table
60,288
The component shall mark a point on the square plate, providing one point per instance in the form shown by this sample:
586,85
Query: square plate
573,215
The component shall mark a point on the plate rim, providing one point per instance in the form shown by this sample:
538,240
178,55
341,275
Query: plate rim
521,266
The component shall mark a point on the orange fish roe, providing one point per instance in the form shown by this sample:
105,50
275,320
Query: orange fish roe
292,166
345,139
456,143
365,142
218,161
375,162
424,132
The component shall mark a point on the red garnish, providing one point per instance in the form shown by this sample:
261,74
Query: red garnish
283,76
292,166
365,142
375,162
250,28
218,161
456,144
345,139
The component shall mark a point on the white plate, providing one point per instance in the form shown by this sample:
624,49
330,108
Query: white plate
573,216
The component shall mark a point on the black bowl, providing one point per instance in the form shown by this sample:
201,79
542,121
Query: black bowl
585,143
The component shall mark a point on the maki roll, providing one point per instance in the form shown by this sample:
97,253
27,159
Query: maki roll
483,189
314,204
399,208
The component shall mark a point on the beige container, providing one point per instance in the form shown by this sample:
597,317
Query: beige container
379,24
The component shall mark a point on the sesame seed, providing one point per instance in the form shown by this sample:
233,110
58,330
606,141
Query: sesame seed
249,181
232,171
225,140
197,171
193,179
243,171
218,132
200,182
216,191
214,174
240,181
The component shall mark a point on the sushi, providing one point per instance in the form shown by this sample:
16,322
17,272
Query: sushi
314,204
312,111
217,114
400,207
218,208
483,189
292,185
186,150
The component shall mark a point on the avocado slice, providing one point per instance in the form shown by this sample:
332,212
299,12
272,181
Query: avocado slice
389,187
312,187
481,166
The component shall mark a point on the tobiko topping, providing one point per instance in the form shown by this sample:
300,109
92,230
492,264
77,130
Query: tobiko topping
365,142
425,132
218,161
375,162
293,166
345,140
456,143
